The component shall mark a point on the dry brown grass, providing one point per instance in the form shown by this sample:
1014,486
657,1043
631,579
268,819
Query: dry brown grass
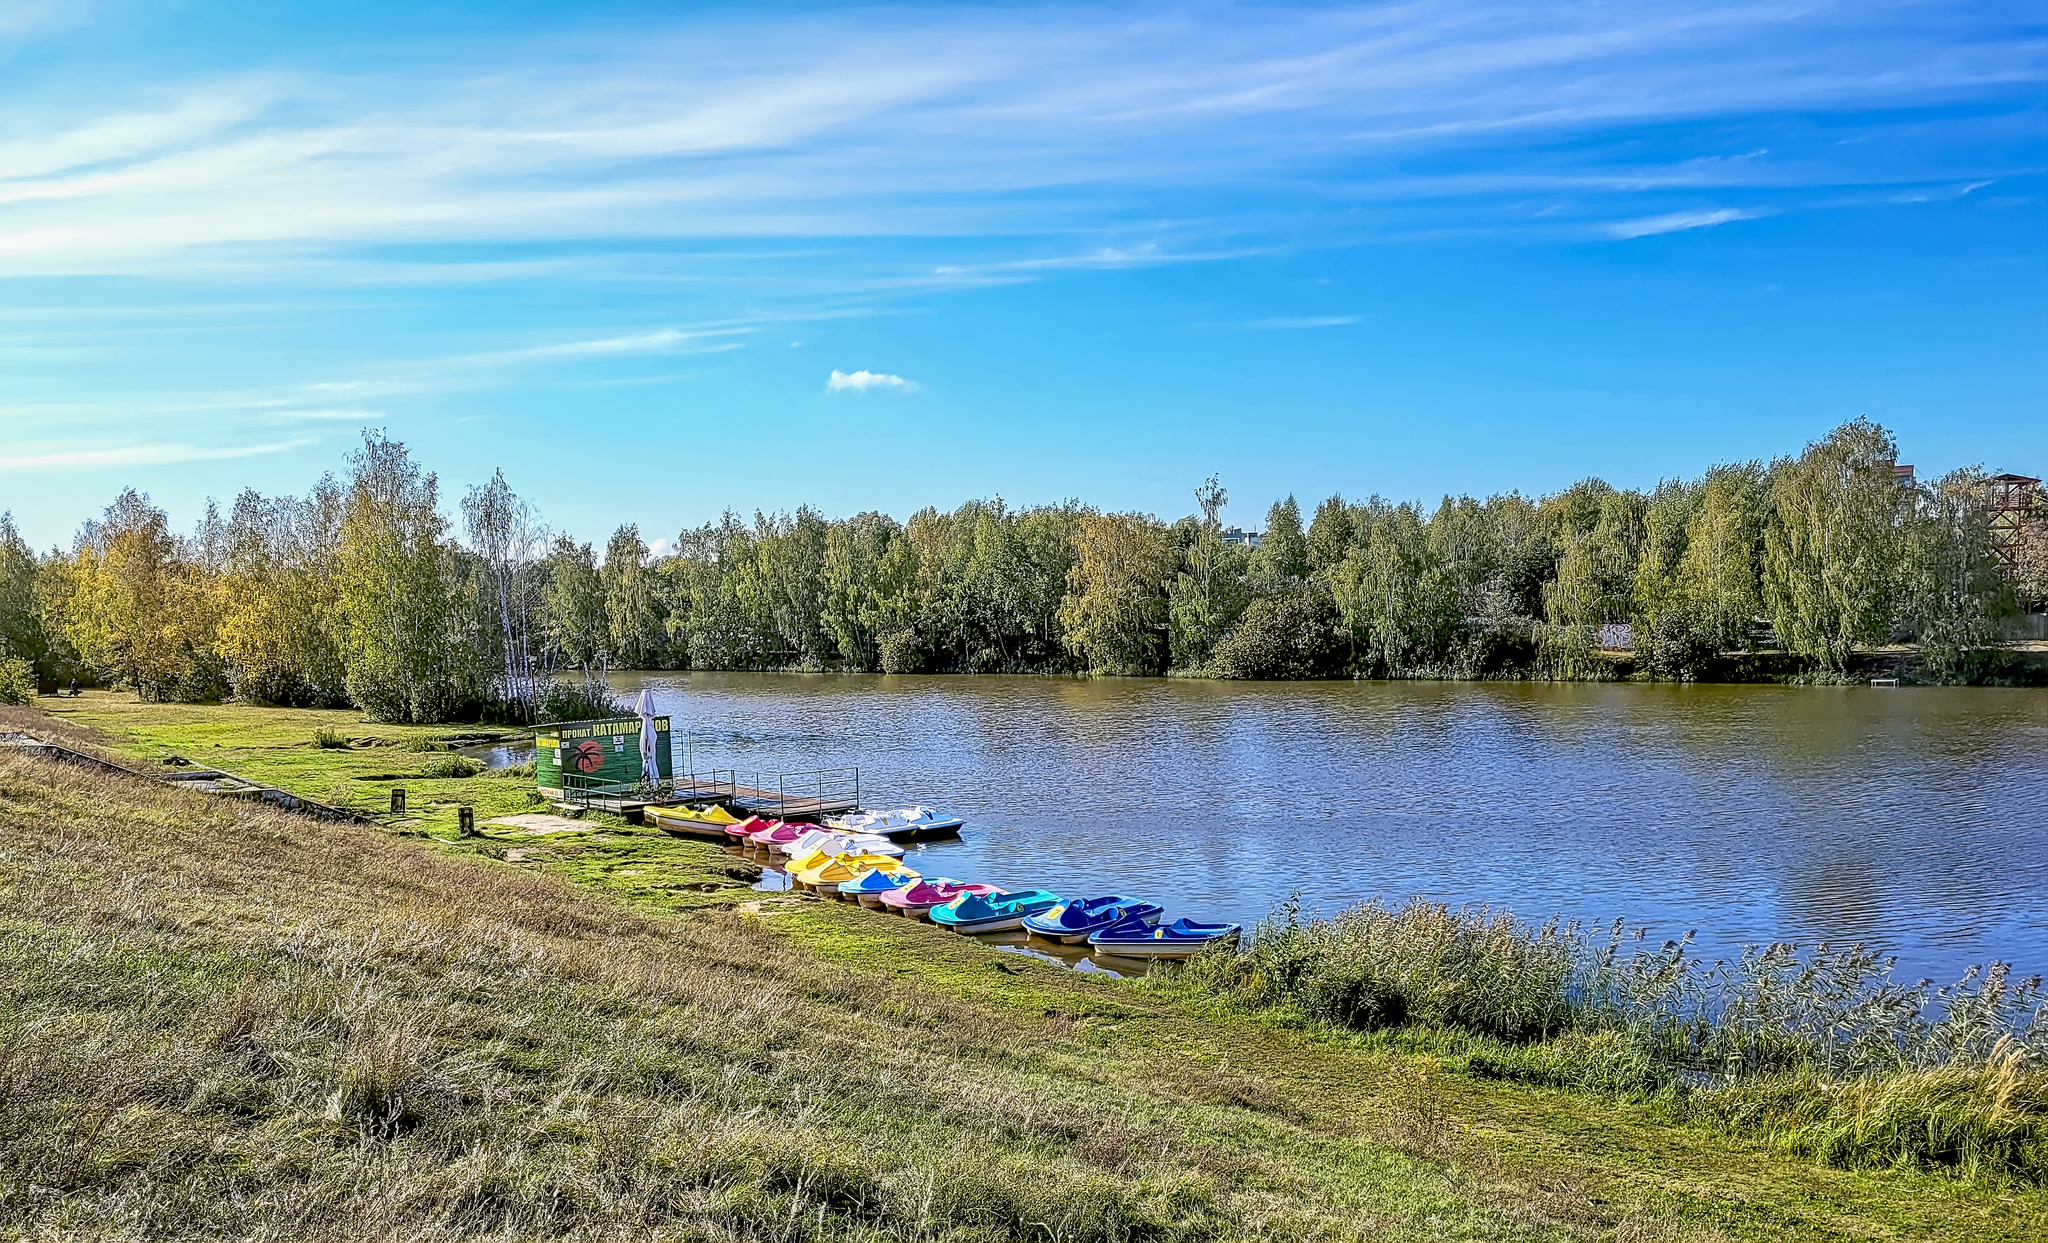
58,730
219,1020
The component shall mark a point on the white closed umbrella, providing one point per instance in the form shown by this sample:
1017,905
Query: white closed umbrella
650,768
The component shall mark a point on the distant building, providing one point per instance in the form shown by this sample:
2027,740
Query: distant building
1242,539
1904,474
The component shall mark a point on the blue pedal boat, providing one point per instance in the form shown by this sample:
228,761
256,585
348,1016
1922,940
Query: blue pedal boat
1183,938
993,912
868,888
1071,922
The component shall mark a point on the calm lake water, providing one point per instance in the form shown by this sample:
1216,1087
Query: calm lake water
1910,819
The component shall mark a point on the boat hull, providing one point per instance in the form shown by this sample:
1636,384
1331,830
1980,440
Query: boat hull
1058,938
674,826
1154,949
1005,923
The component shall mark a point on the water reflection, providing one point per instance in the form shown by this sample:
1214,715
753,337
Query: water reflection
501,754
1915,820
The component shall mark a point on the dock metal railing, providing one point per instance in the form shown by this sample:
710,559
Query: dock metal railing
799,795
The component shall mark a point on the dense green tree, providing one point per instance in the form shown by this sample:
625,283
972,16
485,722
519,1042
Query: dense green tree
1211,592
1465,546
1331,534
1398,606
1954,591
141,612
1114,614
1666,518
578,630
727,626
22,636
394,611
279,630
1832,542
859,607
1717,574
635,628
1281,561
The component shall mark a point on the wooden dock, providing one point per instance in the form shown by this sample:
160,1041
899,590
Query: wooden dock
768,804
778,796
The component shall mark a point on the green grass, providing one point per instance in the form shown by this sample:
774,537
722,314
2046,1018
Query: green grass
1821,1053
331,756
220,1019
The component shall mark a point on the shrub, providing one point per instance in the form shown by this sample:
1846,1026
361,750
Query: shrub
17,681
329,739
901,652
452,765
576,701
1289,638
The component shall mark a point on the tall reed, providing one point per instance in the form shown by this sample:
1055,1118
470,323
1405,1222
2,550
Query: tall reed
1907,1072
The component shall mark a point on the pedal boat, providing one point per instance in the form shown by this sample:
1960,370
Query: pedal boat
1183,938
1072,922
825,875
868,887
920,899
904,824
737,834
710,822
774,833
996,912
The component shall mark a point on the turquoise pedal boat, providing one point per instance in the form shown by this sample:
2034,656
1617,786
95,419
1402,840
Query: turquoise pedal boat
1000,912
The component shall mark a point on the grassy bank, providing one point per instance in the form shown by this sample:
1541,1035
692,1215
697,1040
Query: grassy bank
1822,1054
221,1019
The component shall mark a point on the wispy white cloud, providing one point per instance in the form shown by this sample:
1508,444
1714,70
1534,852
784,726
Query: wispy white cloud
659,341
1309,321
1679,221
57,458
1942,194
862,381
966,122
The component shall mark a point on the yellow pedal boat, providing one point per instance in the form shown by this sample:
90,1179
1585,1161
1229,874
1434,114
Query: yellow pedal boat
692,821
828,873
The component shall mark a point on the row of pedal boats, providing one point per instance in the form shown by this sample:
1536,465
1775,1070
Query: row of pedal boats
713,821
866,867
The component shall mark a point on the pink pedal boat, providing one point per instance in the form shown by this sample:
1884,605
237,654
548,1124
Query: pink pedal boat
778,833
737,834
918,900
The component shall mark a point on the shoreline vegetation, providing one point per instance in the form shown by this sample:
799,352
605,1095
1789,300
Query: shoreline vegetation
1830,566
607,1031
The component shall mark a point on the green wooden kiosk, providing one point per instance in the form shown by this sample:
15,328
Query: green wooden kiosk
596,754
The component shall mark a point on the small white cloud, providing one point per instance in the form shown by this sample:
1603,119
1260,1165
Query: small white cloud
658,548
1679,221
862,381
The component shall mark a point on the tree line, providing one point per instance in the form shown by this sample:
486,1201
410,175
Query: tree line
366,592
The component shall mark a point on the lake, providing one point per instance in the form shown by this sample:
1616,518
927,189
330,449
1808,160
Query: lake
1912,819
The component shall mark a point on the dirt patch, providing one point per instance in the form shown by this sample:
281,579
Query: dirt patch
539,825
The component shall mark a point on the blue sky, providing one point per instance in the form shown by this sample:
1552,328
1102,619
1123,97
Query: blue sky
621,250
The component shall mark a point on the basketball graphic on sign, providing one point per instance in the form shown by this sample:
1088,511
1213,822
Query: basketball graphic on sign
588,757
